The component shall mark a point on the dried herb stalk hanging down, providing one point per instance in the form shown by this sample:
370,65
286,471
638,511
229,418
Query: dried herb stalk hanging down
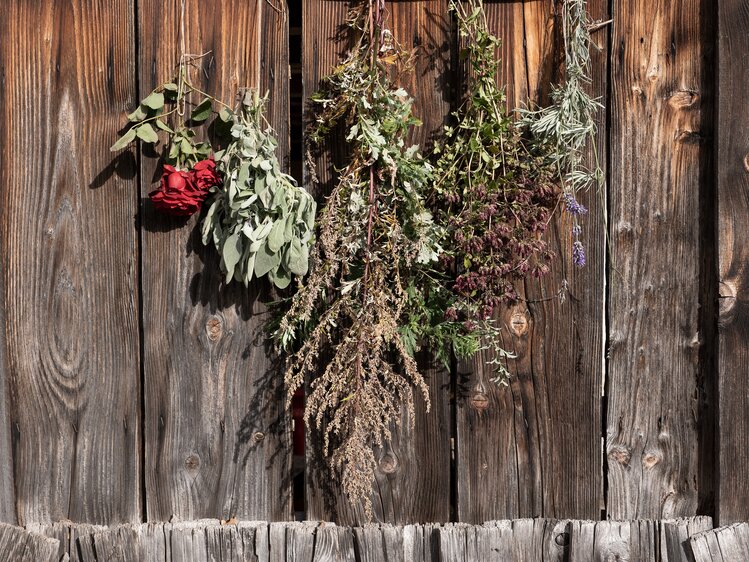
567,127
375,235
494,192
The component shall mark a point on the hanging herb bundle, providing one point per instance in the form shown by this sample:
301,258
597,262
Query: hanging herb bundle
375,235
495,194
189,171
564,129
259,221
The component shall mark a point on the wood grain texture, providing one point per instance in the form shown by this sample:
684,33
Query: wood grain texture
18,545
658,158
522,540
544,540
733,241
68,254
522,451
725,543
216,433
413,472
649,540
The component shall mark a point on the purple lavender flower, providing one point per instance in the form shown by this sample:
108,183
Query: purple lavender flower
578,254
574,207
576,230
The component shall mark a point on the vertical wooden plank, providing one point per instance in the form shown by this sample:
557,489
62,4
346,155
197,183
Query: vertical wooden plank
733,207
523,451
726,543
68,254
659,153
215,427
21,546
413,473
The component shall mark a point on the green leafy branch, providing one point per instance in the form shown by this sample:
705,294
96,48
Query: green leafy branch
169,99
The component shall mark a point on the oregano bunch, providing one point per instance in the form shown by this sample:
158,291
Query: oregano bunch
563,129
495,194
260,221
375,237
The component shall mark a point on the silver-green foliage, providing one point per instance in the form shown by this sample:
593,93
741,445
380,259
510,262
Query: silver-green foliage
260,221
568,124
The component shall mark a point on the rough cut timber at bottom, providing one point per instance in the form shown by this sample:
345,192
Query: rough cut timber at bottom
542,540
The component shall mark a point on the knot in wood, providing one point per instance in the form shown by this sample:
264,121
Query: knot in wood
727,292
518,323
258,436
214,328
192,462
650,460
562,539
479,401
683,99
746,162
620,454
388,463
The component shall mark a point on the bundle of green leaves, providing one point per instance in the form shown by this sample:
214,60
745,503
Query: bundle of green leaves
376,239
260,221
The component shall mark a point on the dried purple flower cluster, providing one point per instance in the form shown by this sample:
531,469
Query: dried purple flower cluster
497,234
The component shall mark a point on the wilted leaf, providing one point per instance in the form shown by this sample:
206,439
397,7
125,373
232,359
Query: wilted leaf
155,100
202,111
146,133
123,141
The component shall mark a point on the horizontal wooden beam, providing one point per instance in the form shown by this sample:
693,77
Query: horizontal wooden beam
206,540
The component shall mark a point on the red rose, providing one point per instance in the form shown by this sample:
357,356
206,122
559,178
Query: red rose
205,174
178,193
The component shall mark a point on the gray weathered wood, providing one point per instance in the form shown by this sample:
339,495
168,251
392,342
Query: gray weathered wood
544,540
413,472
522,540
72,538
658,160
646,540
722,544
517,454
19,545
68,260
732,165
300,541
675,535
215,427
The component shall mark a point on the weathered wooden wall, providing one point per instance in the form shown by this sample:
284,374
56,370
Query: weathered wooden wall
135,387
521,540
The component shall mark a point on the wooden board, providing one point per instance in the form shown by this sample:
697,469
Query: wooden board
216,435
732,164
658,158
19,545
723,544
413,473
543,540
522,450
655,541
69,261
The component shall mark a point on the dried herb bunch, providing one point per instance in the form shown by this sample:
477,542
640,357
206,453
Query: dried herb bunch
496,193
564,129
259,220
375,238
